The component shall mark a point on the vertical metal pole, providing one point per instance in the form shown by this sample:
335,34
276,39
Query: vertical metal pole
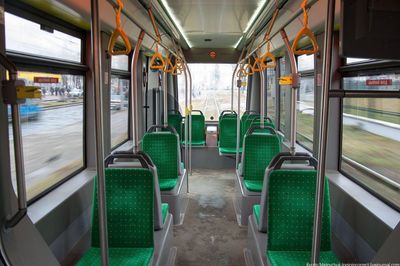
233,78
186,124
19,157
134,91
97,85
262,97
295,86
190,118
165,88
323,130
238,136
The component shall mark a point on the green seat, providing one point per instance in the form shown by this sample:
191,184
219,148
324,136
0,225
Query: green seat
175,121
228,135
129,200
162,148
245,123
290,207
254,185
167,184
164,209
301,258
198,130
258,151
119,256
256,212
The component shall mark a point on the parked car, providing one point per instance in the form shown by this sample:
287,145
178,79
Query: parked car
76,92
116,102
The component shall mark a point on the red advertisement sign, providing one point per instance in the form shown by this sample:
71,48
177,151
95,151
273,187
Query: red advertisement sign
45,80
379,82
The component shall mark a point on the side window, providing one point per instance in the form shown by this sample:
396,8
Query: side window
53,126
305,101
119,99
370,135
271,93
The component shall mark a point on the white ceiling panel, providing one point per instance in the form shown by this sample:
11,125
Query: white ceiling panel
222,21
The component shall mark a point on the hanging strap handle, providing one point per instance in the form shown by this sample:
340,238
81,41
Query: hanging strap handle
248,69
119,32
266,56
306,32
157,61
169,67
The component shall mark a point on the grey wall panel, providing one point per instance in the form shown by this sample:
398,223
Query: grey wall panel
105,61
360,229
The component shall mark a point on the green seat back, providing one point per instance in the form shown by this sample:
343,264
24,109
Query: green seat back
175,121
259,149
290,205
162,148
129,200
198,129
228,132
246,122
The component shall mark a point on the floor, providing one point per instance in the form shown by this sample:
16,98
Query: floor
210,234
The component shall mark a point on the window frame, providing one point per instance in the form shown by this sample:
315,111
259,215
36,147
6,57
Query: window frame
28,62
122,74
373,67
307,73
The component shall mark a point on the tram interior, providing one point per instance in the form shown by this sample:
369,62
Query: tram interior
167,132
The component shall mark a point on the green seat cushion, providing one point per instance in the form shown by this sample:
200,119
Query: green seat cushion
195,142
118,257
164,209
167,184
300,258
256,212
229,150
254,185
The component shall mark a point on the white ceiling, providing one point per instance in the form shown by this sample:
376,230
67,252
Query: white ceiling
223,21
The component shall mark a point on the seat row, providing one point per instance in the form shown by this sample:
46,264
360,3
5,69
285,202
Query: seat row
145,195
280,227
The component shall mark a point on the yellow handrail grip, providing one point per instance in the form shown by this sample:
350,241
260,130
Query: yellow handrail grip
156,56
286,80
119,32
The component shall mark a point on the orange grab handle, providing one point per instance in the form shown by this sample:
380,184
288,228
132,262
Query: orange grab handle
119,32
248,69
305,31
257,66
240,72
265,57
169,67
157,61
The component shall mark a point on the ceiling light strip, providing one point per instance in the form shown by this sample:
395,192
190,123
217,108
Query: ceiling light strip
176,21
256,13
